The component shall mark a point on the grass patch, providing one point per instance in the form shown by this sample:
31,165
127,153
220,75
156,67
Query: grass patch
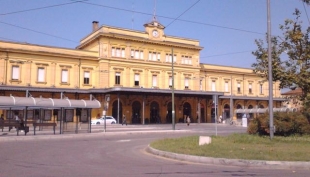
241,146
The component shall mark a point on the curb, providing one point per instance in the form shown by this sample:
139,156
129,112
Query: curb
231,162
80,135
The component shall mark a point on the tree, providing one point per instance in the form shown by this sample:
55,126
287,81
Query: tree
306,1
290,57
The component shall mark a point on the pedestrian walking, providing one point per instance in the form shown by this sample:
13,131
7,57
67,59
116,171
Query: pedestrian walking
188,120
124,120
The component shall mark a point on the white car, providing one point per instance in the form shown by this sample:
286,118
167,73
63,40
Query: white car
100,121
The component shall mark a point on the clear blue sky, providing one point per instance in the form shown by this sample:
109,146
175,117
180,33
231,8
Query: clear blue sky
225,28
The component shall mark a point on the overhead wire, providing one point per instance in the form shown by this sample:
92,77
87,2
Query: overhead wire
84,1
182,13
39,8
189,21
38,32
226,54
303,3
45,7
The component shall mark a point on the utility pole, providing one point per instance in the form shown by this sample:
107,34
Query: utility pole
172,77
271,128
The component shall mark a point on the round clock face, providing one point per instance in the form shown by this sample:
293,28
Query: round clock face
155,33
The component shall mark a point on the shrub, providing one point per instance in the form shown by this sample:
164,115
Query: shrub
285,124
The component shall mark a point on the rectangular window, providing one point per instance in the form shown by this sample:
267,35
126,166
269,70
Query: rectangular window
117,78
86,77
226,87
137,78
154,56
186,83
238,88
132,53
261,89
154,81
118,52
186,60
137,54
15,72
213,88
64,76
200,84
250,88
169,58
41,74
170,81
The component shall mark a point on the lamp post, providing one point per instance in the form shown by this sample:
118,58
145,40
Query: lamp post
172,95
271,128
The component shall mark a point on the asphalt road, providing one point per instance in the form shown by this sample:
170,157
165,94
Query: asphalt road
116,154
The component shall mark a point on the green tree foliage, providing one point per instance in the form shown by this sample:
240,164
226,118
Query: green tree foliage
286,124
290,57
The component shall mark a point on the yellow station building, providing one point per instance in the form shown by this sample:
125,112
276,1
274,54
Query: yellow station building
139,70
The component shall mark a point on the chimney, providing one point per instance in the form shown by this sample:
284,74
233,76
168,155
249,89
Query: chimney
95,25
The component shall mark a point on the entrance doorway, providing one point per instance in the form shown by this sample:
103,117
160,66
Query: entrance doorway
187,111
226,113
115,111
136,113
154,113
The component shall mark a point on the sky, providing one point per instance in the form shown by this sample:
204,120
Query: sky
226,29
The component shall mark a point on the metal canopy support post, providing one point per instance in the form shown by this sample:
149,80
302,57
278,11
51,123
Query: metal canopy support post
199,110
143,107
77,120
106,107
118,108
89,119
61,119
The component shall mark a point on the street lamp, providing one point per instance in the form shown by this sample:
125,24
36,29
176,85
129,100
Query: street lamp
271,128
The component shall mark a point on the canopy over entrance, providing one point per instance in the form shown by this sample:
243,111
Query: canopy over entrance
11,101
263,110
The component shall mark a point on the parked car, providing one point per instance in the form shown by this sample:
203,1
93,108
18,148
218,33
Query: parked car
109,120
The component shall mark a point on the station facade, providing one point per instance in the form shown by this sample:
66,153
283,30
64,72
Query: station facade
139,71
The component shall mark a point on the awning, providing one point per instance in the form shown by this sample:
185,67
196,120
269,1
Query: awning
263,110
12,101
258,110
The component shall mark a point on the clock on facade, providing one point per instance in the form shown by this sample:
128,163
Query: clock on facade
155,33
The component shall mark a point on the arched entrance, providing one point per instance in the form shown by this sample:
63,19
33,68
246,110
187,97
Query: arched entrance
154,113
250,115
115,110
226,112
169,113
202,113
187,111
239,115
136,115
261,107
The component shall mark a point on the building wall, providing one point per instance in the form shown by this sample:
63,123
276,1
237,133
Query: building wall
97,57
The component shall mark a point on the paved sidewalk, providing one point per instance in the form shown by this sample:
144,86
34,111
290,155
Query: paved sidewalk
48,133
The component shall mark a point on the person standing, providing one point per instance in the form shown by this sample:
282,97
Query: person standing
188,120
124,120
